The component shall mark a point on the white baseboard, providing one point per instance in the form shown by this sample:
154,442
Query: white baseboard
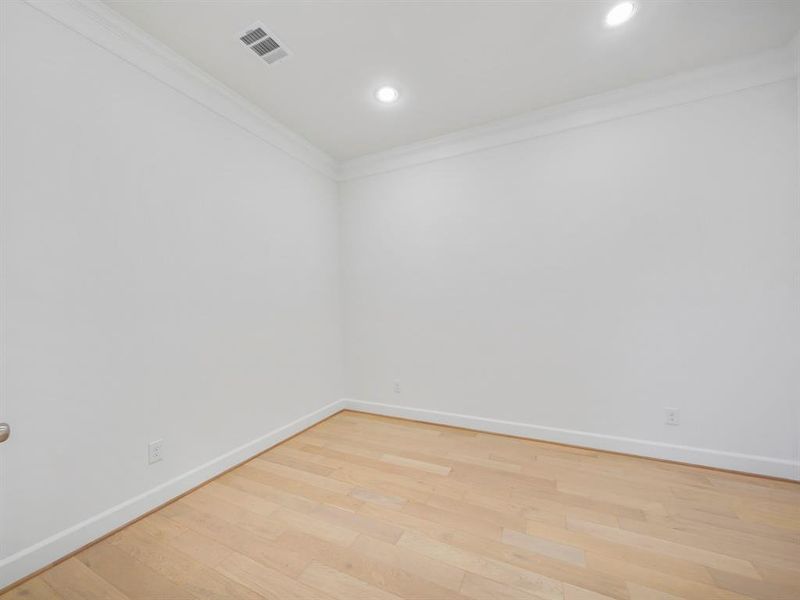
734,461
35,557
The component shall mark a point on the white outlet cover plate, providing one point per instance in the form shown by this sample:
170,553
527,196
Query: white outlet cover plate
155,451
672,416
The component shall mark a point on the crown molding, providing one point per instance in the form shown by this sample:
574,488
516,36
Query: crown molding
761,69
103,26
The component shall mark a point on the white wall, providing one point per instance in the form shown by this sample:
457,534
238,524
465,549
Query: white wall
583,281
165,275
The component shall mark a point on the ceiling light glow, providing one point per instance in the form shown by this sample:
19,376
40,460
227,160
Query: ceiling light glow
387,94
621,13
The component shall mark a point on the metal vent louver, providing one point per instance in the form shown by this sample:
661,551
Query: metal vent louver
263,44
253,35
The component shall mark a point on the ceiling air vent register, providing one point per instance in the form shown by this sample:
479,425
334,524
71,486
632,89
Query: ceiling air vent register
263,44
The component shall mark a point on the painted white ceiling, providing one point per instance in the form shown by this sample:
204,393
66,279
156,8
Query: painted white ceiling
456,64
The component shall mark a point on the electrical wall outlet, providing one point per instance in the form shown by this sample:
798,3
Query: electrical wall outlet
672,416
155,451
396,386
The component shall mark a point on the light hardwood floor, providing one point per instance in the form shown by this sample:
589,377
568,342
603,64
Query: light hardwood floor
366,507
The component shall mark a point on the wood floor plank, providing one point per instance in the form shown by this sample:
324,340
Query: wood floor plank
296,487
701,556
136,580
268,493
438,572
557,550
416,464
453,520
758,589
294,474
250,502
636,555
370,507
641,592
543,565
359,523
205,550
572,592
371,496
511,518
481,588
486,461
657,580
261,524
342,586
316,524
159,526
74,580
34,589
387,576
408,488
258,548
579,501
472,562
285,457
266,582
181,569
781,576
720,539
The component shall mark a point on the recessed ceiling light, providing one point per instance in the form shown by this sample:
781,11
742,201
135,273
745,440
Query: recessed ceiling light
387,94
621,13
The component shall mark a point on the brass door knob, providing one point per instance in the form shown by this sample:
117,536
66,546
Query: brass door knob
5,431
